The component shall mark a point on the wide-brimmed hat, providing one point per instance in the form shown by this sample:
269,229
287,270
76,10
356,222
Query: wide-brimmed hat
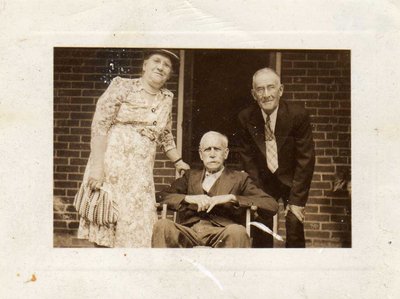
171,54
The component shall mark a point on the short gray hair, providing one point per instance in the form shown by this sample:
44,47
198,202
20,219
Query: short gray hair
214,133
265,70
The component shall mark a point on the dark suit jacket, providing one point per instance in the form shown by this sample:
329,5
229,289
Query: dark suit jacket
230,182
295,146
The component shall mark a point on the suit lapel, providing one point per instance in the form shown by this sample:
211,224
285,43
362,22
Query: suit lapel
223,185
283,125
196,179
255,126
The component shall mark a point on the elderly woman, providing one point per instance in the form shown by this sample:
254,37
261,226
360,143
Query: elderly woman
132,117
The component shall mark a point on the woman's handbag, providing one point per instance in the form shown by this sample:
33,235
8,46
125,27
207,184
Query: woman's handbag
96,206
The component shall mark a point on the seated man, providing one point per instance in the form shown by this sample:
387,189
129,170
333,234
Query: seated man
211,202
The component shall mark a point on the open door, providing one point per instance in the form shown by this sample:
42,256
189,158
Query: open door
217,86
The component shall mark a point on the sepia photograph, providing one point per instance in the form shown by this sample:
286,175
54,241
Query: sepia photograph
129,122
199,149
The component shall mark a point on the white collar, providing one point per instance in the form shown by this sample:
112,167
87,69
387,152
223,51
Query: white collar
272,117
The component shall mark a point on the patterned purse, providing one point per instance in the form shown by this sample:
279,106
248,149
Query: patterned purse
96,206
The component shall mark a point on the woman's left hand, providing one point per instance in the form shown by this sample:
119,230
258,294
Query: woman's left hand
181,167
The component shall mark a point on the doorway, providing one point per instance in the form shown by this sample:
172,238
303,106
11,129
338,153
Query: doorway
218,86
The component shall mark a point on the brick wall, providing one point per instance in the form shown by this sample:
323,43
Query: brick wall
320,81
80,76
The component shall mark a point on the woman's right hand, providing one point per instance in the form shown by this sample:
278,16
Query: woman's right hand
94,184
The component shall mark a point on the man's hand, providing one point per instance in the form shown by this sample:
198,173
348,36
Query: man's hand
298,211
221,199
202,201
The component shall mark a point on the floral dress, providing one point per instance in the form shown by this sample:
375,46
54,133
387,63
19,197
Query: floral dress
132,128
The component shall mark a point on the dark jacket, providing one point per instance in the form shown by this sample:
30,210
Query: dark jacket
230,182
295,146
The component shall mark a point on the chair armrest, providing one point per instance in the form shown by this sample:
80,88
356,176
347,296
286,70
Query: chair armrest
249,211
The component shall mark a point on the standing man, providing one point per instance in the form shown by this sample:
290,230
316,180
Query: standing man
277,151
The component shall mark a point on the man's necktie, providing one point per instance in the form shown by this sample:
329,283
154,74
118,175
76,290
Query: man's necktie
270,142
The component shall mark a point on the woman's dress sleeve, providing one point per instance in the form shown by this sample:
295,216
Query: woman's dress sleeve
166,139
106,110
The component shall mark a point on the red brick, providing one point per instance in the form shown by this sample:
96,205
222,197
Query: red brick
59,224
340,160
62,69
81,131
323,144
304,64
72,192
88,108
320,120
295,87
70,209
66,169
67,153
306,95
60,115
87,101
325,65
304,80
320,185
59,161
62,84
324,160
78,161
79,146
59,192
85,138
81,115
311,209
71,77
73,224
331,210
319,168
317,234
294,72
341,143
85,154
317,217
332,136
311,226
69,92
340,218
75,177
59,176
325,96
334,226
324,127
316,87
92,93
64,184
325,112
315,192
342,235
328,177
85,123
65,216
